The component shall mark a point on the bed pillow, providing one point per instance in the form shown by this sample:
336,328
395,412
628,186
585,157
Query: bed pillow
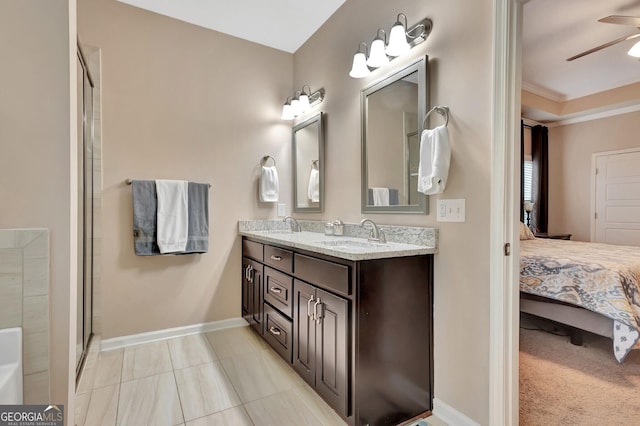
525,233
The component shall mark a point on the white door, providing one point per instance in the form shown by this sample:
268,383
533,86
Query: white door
617,198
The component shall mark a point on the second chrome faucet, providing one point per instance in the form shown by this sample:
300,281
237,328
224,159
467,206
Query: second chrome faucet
377,236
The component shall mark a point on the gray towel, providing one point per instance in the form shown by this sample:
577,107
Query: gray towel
198,238
145,206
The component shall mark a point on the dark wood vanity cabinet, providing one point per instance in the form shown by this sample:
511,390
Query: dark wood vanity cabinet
320,346
252,293
359,332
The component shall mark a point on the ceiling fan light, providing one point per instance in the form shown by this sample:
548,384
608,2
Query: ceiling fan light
635,50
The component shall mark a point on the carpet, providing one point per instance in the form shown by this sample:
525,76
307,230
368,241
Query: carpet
563,384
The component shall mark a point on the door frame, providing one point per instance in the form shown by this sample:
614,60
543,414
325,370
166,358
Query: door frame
505,212
594,162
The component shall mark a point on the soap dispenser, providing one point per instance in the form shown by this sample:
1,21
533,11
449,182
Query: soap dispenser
338,227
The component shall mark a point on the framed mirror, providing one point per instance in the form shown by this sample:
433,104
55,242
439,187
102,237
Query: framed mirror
392,113
308,165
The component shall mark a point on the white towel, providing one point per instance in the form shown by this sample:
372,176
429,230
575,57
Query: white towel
435,157
173,215
380,196
269,186
314,186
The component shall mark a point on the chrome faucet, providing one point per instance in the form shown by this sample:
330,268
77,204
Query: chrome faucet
295,226
377,236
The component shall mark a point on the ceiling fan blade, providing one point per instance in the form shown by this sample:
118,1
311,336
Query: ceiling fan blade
603,46
622,20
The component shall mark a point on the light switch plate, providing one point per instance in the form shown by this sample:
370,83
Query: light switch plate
282,210
451,210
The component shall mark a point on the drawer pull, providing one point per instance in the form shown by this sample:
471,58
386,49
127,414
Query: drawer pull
274,331
309,313
275,290
276,258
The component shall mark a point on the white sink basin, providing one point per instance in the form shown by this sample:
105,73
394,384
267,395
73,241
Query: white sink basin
351,244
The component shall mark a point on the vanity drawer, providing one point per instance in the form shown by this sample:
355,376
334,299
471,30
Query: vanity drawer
252,249
330,275
277,290
278,332
278,258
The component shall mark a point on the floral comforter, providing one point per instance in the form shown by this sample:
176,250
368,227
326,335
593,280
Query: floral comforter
602,278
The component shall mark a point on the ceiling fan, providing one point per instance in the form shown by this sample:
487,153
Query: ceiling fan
633,21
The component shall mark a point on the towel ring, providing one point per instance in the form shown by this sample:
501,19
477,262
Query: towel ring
266,158
440,109
315,164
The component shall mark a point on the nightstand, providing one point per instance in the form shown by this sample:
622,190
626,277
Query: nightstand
553,236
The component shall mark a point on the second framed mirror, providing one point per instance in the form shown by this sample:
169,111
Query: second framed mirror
308,165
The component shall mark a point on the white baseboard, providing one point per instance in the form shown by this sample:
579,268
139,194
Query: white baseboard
450,415
170,333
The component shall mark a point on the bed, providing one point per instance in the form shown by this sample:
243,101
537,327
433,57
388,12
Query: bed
590,286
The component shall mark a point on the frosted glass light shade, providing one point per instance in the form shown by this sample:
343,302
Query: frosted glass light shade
287,112
635,50
398,41
377,57
359,68
295,106
303,104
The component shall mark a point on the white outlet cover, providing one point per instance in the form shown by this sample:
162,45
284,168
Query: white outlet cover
282,210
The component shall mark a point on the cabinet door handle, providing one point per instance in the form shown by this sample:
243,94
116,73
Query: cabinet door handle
315,310
309,313
250,274
275,290
273,330
246,273
276,258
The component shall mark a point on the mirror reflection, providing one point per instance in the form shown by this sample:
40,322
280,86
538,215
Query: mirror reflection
392,110
308,176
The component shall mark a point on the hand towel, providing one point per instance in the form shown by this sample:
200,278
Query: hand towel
435,157
145,205
314,186
198,235
380,196
269,185
173,215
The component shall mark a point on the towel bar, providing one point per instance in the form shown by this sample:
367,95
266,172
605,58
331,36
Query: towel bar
440,109
129,181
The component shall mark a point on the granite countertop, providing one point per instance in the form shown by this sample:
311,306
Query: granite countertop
401,241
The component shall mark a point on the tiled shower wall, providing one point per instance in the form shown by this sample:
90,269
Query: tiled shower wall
24,302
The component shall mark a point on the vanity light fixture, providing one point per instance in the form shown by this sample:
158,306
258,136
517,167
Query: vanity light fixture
635,50
359,67
401,40
377,56
302,102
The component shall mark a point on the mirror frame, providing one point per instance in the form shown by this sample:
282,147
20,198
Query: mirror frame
319,118
421,67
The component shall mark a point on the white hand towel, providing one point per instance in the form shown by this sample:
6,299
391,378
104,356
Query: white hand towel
314,186
380,196
173,215
269,185
435,157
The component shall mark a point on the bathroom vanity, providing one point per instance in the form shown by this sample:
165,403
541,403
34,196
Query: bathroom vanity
353,318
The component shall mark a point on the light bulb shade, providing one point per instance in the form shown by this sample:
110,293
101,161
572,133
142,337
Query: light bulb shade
295,106
359,68
287,112
377,57
303,103
398,44
528,206
635,50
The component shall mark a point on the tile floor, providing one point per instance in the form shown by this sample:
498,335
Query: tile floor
225,377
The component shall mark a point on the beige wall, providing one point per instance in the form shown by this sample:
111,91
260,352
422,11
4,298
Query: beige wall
460,77
38,93
182,102
570,151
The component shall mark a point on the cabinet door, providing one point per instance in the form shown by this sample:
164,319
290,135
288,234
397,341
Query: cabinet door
332,350
258,298
304,336
247,290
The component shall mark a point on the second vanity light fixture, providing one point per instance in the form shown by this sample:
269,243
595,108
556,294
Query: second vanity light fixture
302,102
401,40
